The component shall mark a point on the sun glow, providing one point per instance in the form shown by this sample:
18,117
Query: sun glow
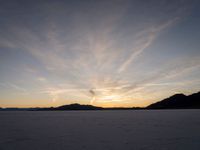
105,95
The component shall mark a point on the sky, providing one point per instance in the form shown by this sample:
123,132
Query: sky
107,53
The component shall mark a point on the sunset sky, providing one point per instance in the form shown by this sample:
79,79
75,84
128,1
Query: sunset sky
102,52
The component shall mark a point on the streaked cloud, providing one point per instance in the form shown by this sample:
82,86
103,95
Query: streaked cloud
100,56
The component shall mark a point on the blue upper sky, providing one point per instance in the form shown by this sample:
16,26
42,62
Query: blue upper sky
100,52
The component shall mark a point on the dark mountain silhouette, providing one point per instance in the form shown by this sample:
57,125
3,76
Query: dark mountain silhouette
77,107
178,101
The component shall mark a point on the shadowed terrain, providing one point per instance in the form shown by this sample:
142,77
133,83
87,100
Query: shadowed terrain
178,101
100,130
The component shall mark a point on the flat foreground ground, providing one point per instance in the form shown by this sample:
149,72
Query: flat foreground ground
100,130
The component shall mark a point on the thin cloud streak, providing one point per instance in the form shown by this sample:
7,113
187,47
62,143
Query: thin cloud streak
153,33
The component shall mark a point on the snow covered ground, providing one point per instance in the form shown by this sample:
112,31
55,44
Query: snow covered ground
100,130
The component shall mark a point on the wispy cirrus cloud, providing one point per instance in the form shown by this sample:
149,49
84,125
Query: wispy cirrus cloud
147,38
93,53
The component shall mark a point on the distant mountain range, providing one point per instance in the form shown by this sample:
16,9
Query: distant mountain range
178,101
84,107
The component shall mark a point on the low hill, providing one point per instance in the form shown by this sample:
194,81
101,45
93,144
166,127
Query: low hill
78,107
178,101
